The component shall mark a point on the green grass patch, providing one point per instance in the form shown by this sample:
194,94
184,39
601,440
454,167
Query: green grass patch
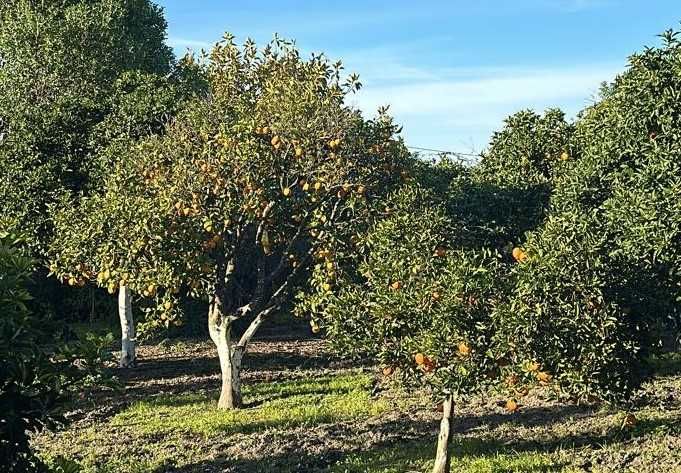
468,455
276,405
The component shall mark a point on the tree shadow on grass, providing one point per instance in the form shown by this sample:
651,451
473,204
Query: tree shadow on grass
418,446
275,360
262,392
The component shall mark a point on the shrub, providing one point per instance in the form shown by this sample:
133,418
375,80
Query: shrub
38,372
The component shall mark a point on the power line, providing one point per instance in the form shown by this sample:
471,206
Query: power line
439,151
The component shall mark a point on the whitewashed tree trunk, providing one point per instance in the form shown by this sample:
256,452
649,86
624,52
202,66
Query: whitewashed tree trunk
442,459
128,338
230,361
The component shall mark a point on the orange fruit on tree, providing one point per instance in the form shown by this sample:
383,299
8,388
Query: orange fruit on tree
464,349
387,371
420,358
275,140
519,255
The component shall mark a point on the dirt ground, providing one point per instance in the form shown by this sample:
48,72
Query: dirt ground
566,437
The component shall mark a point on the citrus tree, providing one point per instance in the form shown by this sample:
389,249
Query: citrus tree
78,81
58,61
600,279
507,192
423,294
232,202
422,303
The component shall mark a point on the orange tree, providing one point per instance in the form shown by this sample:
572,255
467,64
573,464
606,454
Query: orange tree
507,192
59,63
231,203
601,278
423,294
421,302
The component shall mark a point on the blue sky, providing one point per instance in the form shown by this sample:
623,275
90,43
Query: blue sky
450,70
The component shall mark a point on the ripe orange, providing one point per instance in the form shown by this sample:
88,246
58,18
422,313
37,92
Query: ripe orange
420,358
519,255
511,405
387,371
464,349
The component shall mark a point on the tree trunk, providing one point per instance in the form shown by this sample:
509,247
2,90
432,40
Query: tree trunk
444,439
128,355
230,359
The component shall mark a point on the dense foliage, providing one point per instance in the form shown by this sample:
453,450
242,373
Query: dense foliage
601,282
38,370
585,219
232,200
59,61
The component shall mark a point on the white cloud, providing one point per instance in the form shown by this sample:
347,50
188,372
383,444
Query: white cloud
451,108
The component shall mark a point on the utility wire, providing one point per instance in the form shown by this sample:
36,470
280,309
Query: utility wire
439,151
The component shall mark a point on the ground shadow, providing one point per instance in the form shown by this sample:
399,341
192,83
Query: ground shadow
418,443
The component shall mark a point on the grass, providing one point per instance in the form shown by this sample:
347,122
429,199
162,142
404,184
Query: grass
278,405
155,427
327,420
471,456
